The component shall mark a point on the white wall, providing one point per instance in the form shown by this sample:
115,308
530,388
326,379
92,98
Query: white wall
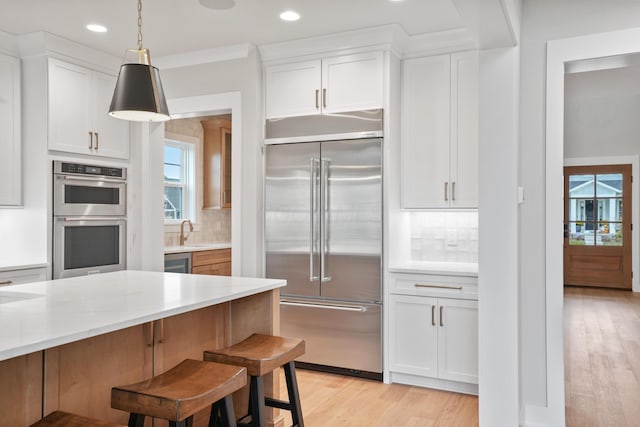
601,113
245,76
545,20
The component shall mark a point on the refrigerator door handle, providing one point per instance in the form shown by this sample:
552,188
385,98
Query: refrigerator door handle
312,203
324,267
357,308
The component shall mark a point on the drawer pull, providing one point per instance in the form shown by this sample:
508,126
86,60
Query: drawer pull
433,315
424,285
6,282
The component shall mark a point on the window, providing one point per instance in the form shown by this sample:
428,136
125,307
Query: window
179,178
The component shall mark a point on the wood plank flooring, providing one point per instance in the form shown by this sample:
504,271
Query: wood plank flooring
334,400
602,357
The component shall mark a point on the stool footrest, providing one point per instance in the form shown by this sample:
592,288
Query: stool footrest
275,403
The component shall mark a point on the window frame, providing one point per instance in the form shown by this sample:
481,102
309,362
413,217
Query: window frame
188,146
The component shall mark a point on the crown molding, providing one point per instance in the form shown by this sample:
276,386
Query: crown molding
8,44
47,44
441,42
205,56
390,37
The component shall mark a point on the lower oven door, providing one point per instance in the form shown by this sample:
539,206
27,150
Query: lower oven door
87,245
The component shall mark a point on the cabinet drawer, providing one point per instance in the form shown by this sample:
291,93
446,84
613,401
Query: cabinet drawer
220,269
217,256
15,277
435,286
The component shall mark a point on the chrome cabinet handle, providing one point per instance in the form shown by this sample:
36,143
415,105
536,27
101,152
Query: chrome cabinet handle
324,98
317,103
97,140
453,191
425,285
446,191
441,319
90,140
6,282
312,205
433,315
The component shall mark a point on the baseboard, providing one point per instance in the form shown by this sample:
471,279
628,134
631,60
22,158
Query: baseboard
418,381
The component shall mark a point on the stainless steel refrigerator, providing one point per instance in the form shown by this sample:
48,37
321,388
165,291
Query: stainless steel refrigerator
323,234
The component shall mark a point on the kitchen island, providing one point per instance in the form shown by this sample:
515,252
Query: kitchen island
65,343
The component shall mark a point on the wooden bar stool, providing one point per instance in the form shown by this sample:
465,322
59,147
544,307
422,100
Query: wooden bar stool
65,419
261,354
176,395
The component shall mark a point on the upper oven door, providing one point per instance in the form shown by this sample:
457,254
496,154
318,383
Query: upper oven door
85,196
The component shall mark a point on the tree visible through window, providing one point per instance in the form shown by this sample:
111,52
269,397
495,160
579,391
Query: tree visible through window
178,174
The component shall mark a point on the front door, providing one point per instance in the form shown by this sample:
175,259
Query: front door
597,220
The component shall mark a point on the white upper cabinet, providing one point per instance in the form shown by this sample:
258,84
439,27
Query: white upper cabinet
79,102
10,140
329,85
440,132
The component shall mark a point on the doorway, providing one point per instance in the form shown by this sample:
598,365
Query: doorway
597,218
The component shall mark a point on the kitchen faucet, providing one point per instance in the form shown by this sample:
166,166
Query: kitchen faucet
182,236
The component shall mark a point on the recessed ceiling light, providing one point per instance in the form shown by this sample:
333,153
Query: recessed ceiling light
97,28
289,15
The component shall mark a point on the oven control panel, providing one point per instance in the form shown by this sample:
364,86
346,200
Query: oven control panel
80,169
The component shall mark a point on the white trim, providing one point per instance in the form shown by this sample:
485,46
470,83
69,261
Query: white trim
634,161
205,56
193,106
430,44
560,52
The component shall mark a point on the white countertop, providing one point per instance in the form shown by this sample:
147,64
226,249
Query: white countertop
60,311
442,268
196,247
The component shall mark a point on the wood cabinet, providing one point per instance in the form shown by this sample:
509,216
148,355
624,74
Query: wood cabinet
433,332
216,164
328,85
10,139
79,122
23,275
215,262
439,154
21,394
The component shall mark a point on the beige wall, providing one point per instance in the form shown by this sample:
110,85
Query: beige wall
212,225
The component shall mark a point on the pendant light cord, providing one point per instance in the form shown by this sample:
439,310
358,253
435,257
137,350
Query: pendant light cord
139,24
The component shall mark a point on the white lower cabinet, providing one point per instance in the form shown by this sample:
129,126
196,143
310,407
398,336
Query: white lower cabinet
433,342
24,275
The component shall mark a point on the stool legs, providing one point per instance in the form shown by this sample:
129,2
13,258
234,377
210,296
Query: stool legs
223,414
136,420
294,395
256,402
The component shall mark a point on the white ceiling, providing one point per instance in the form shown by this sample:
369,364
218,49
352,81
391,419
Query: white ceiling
174,26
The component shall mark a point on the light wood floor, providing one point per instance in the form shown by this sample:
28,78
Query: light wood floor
602,357
334,400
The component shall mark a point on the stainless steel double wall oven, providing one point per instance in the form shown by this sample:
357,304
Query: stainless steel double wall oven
89,219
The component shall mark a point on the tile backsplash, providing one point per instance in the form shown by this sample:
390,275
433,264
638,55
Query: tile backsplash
444,236
214,227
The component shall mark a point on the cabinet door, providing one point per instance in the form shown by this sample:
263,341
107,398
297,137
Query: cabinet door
10,143
464,130
112,135
69,108
15,277
413,334
293,89
352,82
458,340
425,133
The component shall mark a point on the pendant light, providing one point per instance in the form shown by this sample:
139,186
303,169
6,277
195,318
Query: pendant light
138,95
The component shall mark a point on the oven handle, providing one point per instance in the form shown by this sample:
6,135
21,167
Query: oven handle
90,179
92,218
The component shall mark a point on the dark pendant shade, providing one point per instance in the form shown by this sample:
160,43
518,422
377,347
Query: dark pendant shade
138,95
